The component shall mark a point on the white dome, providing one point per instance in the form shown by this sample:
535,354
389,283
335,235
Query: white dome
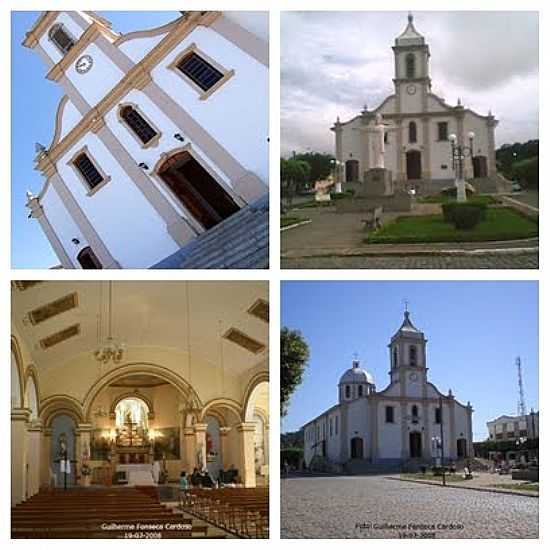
357,375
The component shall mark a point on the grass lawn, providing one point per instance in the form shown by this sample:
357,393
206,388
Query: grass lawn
518,486
289,220
428,476
443,199
502,224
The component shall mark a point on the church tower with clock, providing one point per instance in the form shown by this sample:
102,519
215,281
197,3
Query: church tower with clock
150,153
418,147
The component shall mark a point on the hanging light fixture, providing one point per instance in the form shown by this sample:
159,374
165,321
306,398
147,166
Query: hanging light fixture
110,350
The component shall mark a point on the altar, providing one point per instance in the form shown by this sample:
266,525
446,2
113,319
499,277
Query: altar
135,474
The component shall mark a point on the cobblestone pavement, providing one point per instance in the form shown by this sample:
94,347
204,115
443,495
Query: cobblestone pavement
489,261
376,507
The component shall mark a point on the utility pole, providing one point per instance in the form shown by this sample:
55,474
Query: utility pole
521,402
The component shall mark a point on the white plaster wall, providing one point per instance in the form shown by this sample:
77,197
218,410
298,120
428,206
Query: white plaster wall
358,425
63,224
137,48
393,390
351,144
151,155
99,80
237,114
419,133
413,389
388,106
434,430
411,103
15,383
333,442
461,423
69,119
389,434
256,22
48,46
441,150
436,104
131,229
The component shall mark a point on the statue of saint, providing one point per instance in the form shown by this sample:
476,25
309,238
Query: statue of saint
378,141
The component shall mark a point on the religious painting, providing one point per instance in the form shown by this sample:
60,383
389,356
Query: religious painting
211,449
100,446
167,443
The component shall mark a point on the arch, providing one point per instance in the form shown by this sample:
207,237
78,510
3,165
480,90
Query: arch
139,125
413,356
394,358
412,132
222,408
250,394
352,170
88,260
415,444
410,65
17,375
135,394
414,411
141,368
60,404
356,447
196,187
414,164
61,37
32,394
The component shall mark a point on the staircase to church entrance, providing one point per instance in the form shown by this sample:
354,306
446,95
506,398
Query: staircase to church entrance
361,466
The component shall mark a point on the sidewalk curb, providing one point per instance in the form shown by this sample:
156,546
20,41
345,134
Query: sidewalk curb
455,486
305,222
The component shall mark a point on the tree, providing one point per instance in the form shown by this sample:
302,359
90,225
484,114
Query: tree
320,165
294,358
293,173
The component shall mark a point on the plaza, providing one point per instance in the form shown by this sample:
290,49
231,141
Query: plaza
379,507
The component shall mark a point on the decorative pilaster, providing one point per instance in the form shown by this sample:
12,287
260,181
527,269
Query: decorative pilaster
82,447
246,465
200,445
491,153
189,449
45,451
19,419
34,435
224,447
426,153
399,154
452,427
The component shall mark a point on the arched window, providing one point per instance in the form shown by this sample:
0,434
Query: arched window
348,393
143,130
412,132
412,356
61,38
360,391
202,73
414,412
87,169
394,358
88,260
410,64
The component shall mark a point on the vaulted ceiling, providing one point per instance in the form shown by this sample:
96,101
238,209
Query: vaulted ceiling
216,320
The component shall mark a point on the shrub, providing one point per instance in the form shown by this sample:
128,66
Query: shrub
464,215
527,172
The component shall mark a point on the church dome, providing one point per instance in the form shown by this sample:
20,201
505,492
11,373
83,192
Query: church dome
357,375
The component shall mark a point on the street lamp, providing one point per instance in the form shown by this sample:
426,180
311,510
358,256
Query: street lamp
459,153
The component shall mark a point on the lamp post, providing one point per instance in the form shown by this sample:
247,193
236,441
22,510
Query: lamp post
459,153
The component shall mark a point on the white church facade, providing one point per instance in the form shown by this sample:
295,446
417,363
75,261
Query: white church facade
400,424
417,142
161,134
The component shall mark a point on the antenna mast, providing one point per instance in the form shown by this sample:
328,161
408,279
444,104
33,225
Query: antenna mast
521,402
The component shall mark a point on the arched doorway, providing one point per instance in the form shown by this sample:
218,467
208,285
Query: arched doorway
414,165
63,451
480,166
415,445
204,198
461,448
357,447
352,170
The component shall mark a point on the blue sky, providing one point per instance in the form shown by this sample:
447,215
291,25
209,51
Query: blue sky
34,105
475,331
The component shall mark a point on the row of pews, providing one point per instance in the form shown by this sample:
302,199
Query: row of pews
243,512
113,512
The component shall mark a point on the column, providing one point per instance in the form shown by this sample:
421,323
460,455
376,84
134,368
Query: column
245,183
247,473
452,430
19,418
339,153
399,176
82,452
176,225
491,154
200,444
373,413
34,435
189,449
83,223
404,432
45,451
344,442
426,153
224,447
37,212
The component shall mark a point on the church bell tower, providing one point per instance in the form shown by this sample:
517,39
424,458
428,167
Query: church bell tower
412,78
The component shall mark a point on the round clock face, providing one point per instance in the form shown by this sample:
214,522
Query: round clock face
413,377
411,89
84,64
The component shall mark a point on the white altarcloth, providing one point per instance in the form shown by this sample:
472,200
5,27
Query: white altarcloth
65,466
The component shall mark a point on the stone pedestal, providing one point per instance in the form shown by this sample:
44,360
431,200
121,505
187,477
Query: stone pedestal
377,182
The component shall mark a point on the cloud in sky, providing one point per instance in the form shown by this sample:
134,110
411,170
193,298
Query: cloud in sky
332,63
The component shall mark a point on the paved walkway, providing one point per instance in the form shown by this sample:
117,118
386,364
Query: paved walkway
376,507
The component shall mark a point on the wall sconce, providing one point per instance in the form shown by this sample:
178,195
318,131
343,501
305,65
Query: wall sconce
179,137
75,241
143,165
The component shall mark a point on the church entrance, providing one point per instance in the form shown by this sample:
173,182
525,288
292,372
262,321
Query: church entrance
352,170
480,166
356,447
414,165
197,190
461,448
415,445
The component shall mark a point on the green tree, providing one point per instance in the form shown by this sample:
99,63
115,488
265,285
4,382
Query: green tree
294,358
293,174
320,164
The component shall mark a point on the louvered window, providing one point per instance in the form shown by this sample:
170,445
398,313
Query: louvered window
202,73
61,38
89,172
144,131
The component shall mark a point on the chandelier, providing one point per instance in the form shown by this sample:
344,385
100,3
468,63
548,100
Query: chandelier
110,349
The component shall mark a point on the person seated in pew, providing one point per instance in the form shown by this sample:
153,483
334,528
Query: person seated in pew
196,479
206,479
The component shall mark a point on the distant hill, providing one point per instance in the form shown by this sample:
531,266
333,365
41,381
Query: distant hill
520,161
